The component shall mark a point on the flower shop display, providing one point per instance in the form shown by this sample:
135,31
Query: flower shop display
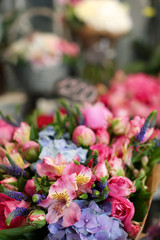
43,55
133,94
82,176
109,18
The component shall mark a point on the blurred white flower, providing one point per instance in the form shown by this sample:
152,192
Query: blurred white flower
111,16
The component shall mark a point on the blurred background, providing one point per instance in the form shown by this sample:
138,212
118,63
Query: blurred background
107,50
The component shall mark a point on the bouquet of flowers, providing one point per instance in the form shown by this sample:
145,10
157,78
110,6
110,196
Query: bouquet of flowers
133,94
83,176
40,49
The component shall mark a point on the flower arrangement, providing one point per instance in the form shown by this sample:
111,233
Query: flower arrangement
83,175
109,17
41,49
133,94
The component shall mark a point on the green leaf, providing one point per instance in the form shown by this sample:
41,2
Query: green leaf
15,232
21,182
33,133
37,183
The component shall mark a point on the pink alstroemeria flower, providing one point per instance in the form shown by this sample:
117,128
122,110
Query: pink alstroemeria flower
84,176
22,134
52,167
59,202
6,132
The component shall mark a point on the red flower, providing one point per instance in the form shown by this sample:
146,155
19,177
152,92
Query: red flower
44,120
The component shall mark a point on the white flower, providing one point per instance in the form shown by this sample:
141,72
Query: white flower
104,15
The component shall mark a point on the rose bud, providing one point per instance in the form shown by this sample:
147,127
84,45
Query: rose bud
31,151
83,136
37,218
102,136
10,183
30,188
119,125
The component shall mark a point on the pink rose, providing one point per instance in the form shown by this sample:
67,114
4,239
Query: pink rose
102,136
119,124
121,186
7,205
83,136
96,116
30,188
6,132
122,209
103,151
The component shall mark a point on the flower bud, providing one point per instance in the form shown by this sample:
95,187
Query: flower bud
102,136
37,218
95,193
10,183
37,198
83,136
31,151
144,161
135,172
30,188
119,125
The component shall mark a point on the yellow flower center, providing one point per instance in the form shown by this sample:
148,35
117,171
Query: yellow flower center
82,179
61,196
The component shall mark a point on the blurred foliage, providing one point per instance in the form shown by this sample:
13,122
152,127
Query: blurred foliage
148,59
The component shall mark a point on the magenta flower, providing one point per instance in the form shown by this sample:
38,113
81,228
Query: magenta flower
96,116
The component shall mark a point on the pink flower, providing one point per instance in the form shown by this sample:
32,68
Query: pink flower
83,136
134,127
30,188
102,136
135,228
96,116
121,186
70,49
115,166
119,124
9,183
7,205
6,132
103,151
100,170
30,151
22,134
122,209
52,166
84,176
59,202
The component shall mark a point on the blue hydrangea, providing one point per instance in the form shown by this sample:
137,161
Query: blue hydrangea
94,224
46,135
67,148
